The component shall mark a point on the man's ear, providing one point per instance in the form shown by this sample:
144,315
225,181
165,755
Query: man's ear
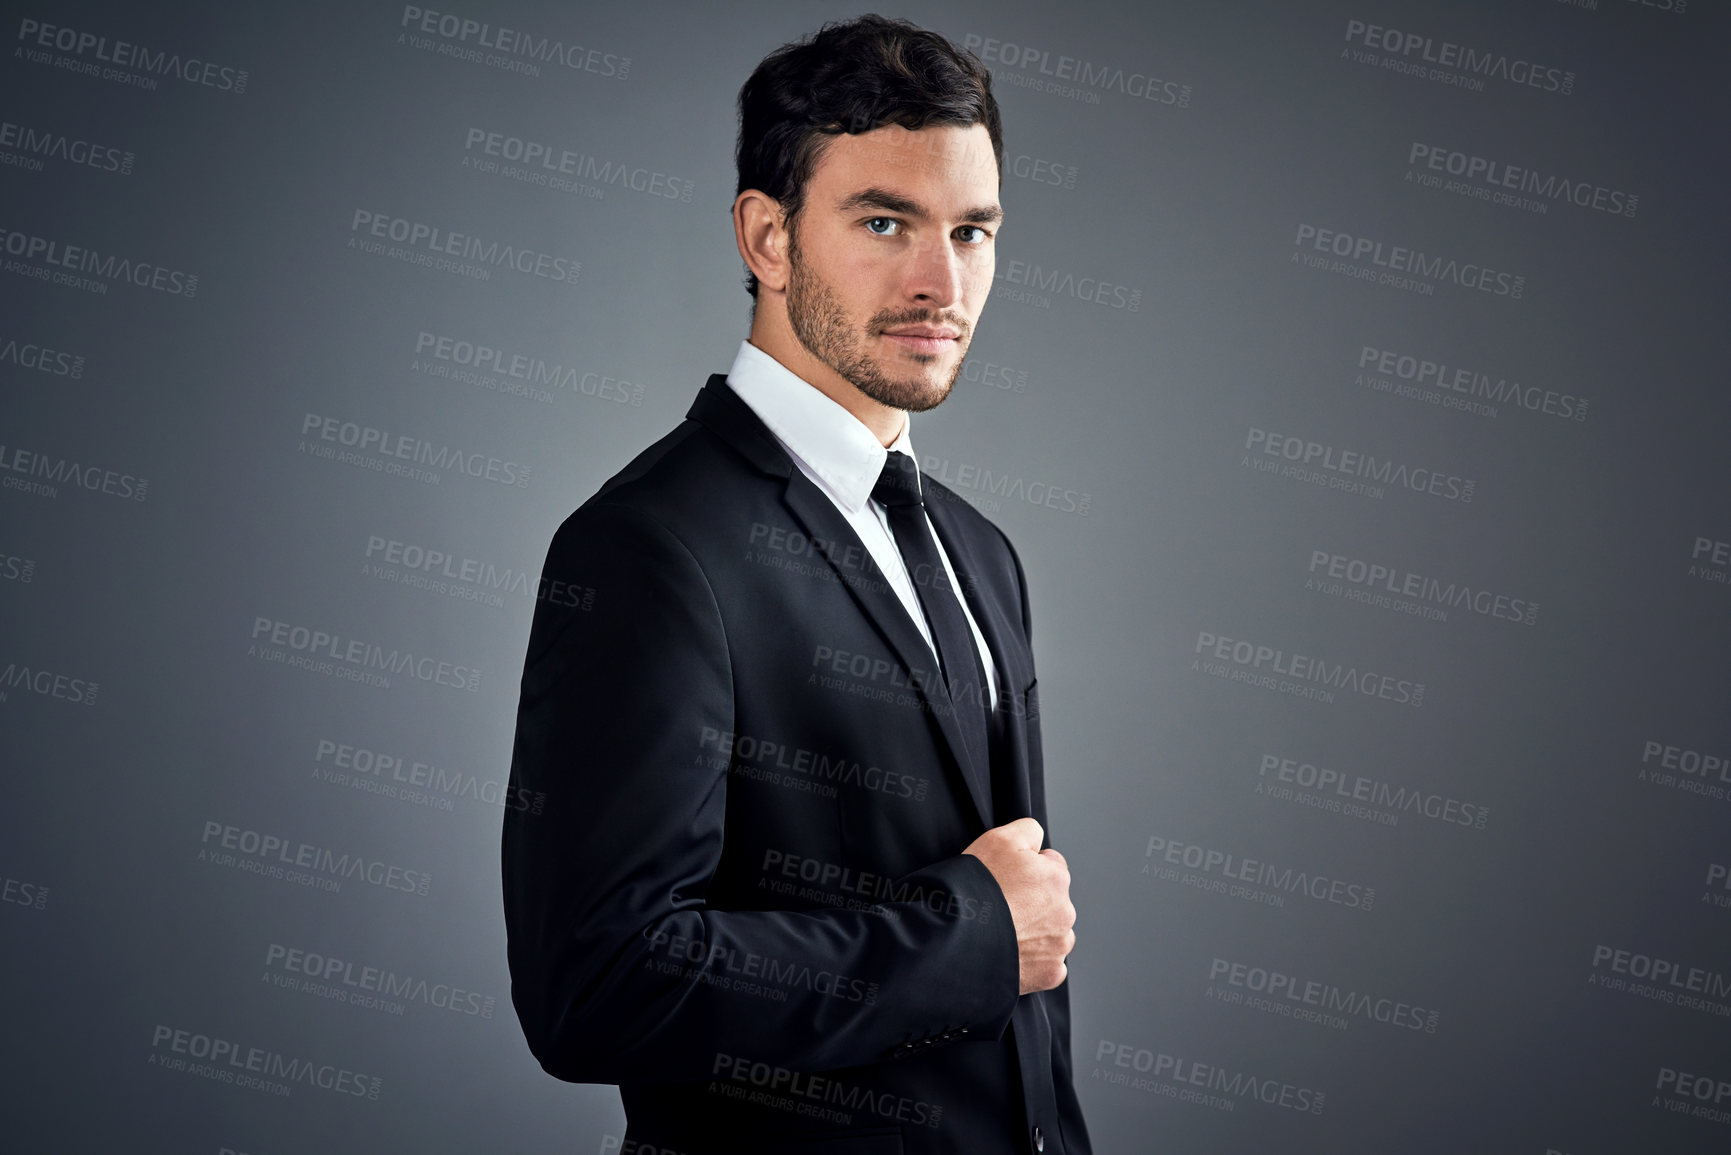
760,231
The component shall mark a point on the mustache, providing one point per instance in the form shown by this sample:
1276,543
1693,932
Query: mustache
883,321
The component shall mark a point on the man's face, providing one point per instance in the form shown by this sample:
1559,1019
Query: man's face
891,258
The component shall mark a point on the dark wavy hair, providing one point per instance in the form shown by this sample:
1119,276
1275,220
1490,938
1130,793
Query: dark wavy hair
852,77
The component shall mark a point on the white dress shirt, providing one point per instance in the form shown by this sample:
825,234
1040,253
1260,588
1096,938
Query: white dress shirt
844,458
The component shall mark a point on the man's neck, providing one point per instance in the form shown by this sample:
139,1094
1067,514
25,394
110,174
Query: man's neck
771,333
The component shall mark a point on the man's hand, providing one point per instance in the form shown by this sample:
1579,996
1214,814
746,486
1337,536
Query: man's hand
1036,883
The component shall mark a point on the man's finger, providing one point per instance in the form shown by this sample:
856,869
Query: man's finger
1025,833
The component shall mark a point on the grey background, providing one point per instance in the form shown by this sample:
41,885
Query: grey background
114,927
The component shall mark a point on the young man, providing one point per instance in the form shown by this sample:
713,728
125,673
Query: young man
788,888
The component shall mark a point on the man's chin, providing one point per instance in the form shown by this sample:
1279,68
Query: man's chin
929,398
913,396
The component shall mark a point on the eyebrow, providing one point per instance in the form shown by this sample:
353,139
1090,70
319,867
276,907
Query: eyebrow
892,202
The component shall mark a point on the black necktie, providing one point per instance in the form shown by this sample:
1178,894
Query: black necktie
898,488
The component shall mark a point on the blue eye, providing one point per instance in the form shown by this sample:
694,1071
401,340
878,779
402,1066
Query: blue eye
983,234
880,220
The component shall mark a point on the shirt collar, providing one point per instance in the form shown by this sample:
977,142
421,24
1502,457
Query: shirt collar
825,437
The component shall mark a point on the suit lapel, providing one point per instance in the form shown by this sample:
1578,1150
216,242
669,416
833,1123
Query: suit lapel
719,408
988,615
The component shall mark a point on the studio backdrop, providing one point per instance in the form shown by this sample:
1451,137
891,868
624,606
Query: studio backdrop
1352,386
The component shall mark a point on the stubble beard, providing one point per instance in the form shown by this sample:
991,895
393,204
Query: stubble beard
819,321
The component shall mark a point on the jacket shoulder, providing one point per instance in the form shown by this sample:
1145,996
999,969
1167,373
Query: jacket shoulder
688,477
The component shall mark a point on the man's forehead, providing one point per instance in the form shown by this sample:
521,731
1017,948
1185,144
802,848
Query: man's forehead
935,169
954,143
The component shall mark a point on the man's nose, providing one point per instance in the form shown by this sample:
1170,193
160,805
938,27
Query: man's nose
935,274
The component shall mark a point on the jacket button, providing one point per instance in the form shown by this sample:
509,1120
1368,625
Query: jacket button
1039,1138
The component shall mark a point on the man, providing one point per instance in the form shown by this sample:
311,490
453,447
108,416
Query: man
788,888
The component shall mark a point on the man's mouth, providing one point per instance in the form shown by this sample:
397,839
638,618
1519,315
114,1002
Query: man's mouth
924,338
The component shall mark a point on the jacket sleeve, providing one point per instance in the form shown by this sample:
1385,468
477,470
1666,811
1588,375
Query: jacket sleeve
620,971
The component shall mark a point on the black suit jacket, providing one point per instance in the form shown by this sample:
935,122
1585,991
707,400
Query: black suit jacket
743,897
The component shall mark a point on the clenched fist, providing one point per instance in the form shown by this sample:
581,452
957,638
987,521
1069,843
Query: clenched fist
1036,883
